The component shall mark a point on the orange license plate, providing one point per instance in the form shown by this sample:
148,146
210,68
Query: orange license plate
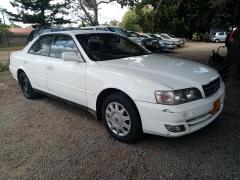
216,106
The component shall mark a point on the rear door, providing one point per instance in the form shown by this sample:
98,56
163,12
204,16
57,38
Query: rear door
222,36
66,79
35,62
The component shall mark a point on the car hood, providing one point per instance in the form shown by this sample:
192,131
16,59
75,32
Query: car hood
172,72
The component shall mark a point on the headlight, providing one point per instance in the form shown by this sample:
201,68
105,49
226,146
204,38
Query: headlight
177,96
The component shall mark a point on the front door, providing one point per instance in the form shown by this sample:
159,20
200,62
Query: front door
66,79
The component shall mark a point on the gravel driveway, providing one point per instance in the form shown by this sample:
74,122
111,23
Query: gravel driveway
198,51
49,139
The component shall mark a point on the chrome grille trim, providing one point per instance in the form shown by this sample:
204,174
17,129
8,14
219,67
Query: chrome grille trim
212,87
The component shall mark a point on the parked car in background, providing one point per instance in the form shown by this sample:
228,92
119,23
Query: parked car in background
150,43
166,43
114,29
132,90
38,30
177,41
218,37
181,39
138,36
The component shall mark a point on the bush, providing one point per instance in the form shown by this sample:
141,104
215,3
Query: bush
3,67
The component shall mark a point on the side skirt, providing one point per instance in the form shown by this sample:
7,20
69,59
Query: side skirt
93,112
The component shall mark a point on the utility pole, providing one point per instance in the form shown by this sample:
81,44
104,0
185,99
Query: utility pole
5,26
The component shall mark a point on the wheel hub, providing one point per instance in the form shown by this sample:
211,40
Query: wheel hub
118,119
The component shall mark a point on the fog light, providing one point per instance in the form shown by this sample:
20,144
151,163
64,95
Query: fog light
175,129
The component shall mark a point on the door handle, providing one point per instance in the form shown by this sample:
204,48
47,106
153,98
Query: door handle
49,67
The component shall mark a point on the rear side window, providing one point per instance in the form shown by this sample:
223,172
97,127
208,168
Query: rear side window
61,44
41,46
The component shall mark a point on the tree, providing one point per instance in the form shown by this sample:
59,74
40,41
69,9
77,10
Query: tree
225,13
43,12
130,21
153,16
114,23
3,29
88,10
195,16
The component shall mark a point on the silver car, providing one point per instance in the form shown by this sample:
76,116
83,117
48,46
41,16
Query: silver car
218,37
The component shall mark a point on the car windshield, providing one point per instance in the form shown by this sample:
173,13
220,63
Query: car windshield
102,47
120,31
165,36
153,36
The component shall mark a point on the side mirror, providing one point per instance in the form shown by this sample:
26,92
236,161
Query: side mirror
71,56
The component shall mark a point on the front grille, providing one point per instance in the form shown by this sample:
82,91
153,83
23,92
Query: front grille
212,87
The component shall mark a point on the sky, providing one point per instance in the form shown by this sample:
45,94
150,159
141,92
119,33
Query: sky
107,12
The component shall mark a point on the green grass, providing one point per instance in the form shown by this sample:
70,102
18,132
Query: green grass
11,48
3,67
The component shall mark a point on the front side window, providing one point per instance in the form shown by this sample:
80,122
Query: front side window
61,44
134,34
41,46
165,36
143,36
101,47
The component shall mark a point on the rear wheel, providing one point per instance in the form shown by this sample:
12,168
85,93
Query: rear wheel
217,41
121,118
26,86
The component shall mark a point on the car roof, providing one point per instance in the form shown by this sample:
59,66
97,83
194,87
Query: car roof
101,26
75,32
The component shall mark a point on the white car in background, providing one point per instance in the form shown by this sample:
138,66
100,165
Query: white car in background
166,43
179,42
181,39
130,89
218,37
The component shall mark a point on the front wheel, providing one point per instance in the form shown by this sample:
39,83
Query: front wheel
121,118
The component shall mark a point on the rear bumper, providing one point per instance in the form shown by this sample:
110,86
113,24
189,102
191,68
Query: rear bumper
193,116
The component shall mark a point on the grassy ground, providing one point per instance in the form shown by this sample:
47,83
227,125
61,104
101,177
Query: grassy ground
3,67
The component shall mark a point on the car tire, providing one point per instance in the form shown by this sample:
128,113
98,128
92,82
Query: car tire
217,41
122,119
26,86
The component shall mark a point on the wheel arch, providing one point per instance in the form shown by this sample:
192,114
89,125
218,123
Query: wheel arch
106,92
19,71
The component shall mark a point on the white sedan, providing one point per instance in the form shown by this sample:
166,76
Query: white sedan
130,89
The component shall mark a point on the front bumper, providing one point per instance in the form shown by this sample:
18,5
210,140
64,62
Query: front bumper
170,46
193,116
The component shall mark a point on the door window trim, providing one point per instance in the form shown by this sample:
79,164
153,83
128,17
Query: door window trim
53,38
63,34
39,38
